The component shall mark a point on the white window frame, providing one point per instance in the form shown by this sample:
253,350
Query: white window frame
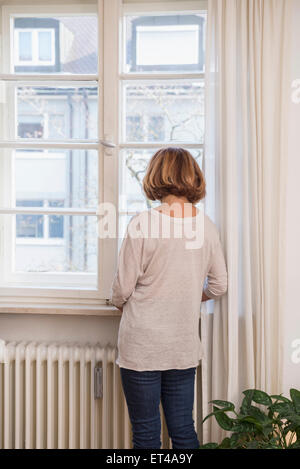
109,80
35,47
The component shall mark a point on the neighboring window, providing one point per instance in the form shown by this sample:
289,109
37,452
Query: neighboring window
165,43
39,226
30,130
29,226
56,222
57,44
34,47
24,45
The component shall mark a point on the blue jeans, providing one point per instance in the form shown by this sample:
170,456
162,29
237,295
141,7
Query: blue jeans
143,391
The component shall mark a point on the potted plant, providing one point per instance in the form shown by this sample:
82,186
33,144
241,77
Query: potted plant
272,424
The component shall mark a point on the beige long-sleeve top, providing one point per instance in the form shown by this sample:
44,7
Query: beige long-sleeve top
159,283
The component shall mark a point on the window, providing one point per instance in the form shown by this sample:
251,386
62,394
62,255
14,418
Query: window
29,226
56,222
162,93
34,47
30,129
50,151
39,226
165,43
139,127
90,92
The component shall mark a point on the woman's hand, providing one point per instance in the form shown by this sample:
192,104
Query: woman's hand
205,297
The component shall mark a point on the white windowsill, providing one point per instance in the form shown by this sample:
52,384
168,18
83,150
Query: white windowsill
80,310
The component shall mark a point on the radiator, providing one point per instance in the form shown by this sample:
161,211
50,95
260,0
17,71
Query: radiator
63,396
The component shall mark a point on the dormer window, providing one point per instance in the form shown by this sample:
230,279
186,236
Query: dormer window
165,43
36,46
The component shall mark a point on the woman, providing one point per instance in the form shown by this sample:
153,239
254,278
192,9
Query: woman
159,286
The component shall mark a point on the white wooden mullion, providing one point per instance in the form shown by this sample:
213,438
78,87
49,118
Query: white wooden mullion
150,145
55,9
47,211
164,7
63,144
111,47
53,77
161,76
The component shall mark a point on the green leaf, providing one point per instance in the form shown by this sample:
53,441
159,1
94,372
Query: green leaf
214,413
235,441
283,408
259,414
223,404
207,417
223,420
294,418
209,446
246,403
261,397
295,396
225,444
254,444
280,398
267,430
244,427
253,421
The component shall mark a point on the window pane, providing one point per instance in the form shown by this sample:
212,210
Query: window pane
64,178
75,251
29,226
56,222
134,128
156,129
25,45
133,164
75,44
56,226
30,129
173,43
172,111
44,43
65,112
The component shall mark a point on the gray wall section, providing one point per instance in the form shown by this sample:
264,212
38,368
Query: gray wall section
60,328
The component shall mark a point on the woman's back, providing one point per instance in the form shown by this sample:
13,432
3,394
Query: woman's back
162,267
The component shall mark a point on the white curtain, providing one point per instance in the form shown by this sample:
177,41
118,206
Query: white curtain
247,92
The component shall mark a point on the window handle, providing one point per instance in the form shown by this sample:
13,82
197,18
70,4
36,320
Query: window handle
107,143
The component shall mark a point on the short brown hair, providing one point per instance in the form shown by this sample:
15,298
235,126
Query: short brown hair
174,171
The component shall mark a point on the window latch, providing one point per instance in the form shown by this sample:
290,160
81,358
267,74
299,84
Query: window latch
107,144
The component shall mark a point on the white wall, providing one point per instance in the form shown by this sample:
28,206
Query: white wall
291,376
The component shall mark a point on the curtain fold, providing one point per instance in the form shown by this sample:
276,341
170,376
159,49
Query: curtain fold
247,91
